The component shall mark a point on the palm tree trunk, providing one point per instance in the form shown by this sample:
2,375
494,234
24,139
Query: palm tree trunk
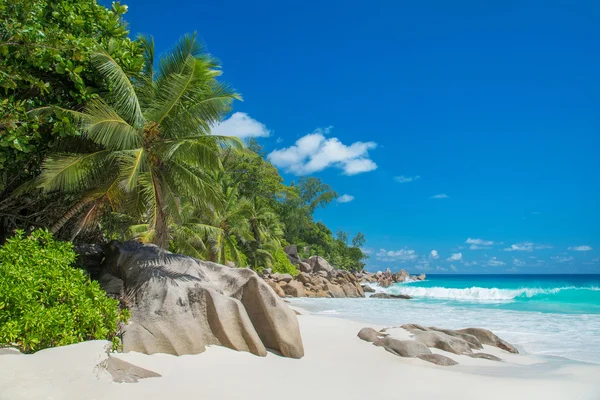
70,214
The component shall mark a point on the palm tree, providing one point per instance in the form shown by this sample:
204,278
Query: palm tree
150,140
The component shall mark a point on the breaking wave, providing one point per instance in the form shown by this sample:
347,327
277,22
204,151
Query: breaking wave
489,294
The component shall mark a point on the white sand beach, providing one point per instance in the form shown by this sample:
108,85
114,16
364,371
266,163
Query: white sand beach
337,365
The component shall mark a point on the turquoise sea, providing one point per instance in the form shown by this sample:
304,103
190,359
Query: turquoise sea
549,315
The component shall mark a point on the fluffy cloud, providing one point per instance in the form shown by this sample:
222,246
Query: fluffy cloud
455,257
241,125
494,262
527,246
345,198
406,179
580,248
440,196
561,259
477,244
314,152
402,255
435,254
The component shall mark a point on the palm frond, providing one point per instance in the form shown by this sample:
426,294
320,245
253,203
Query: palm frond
74,172
104,126
126,100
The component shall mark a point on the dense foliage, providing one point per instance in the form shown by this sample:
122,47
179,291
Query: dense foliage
45,301
46,52
121,148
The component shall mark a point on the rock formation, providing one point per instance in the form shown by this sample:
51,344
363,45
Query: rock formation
461,342
179,305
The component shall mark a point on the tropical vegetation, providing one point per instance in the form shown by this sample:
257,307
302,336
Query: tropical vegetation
45,301
106,141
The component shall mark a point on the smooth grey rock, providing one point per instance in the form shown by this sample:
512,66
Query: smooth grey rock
474,343
485,356
403,348
489,338
438,359
180,305
124,372
414,328
444,342
304,278
401,276
370,335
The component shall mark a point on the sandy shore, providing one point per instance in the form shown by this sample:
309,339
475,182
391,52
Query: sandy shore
337,365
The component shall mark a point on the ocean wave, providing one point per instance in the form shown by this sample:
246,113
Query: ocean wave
479,293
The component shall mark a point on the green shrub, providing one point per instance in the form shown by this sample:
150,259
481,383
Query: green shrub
282,265
45,301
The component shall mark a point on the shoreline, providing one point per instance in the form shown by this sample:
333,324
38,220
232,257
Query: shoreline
337,364
546,360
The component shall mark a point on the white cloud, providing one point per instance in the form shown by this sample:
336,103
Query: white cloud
314,152
435,254
519,263
402,255
455,257
477,244
440,196
241,125
345,198
581,248
527,246
453,268
406,179
562,259
494,262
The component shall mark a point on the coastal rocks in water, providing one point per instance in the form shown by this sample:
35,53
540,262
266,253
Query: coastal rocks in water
124,372
368,289
180,305
319,264
444,342
438,359
389,296
370,335
489,338
401,276
403,348
420,277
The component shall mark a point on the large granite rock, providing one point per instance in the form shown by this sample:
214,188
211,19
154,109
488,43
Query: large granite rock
319,264
403,348
444,342
179,305
489,338
401,276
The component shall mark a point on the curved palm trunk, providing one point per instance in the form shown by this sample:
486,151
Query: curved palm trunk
74,210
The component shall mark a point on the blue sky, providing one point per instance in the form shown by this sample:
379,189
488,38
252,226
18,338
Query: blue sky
468,128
